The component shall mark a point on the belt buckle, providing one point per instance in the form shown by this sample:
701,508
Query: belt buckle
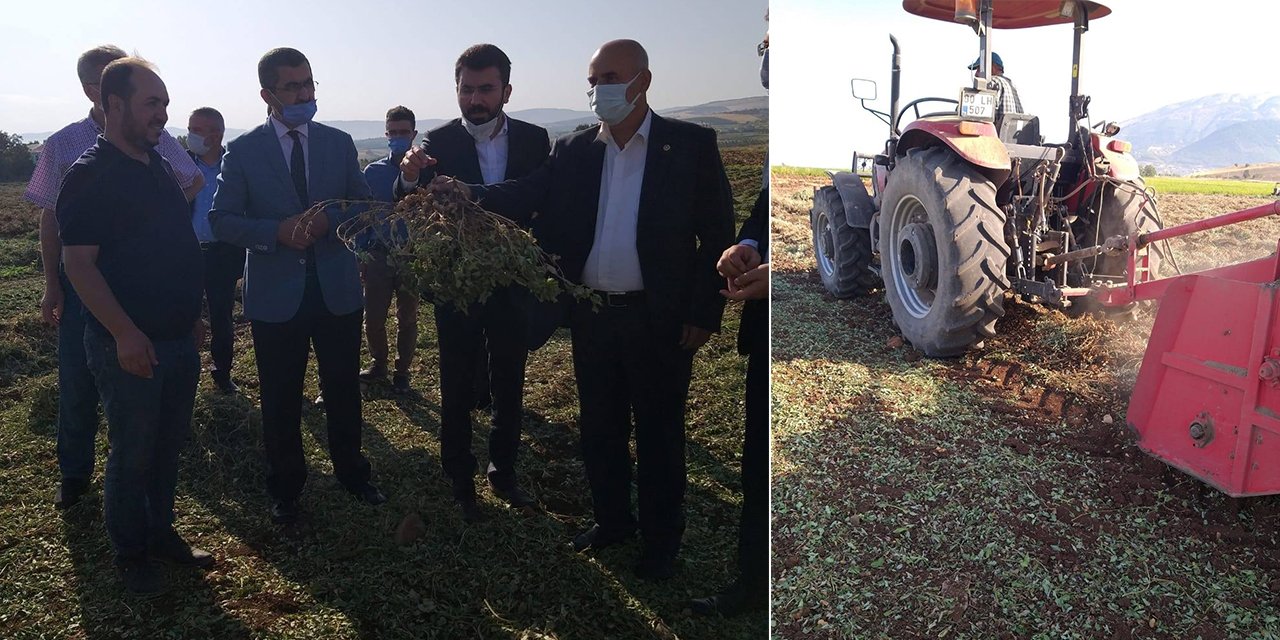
615,299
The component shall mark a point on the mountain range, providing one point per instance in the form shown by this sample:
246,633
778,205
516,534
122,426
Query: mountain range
1210,132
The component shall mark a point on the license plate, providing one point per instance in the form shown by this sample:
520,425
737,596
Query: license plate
978,104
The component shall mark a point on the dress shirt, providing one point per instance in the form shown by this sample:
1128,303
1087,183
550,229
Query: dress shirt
204,200
63,148
286,145
614,262
493,155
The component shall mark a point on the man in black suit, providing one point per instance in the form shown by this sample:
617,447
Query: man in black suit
639,209
484,146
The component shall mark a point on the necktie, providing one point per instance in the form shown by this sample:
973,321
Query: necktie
298,170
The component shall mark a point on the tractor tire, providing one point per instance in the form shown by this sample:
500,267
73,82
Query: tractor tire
1121,212
843,253
943,252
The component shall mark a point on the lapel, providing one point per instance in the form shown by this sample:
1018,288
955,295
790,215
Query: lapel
316,139
468,169
592,175
275,160
657,154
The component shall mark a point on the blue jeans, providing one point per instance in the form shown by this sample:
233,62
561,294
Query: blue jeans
148,421
77,393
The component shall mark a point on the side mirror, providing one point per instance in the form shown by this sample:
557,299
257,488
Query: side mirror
863,89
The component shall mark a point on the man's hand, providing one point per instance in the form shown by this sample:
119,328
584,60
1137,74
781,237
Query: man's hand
413,163
737,260
693,337
446,184
136,353
752,285
51,303
317,226
292,234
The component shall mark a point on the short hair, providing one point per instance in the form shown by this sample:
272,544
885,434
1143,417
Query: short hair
89,66
269,65
212,114
117,78
483,56
401,112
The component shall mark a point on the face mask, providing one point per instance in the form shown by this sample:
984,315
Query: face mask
482,132
609,101
196,144
764,69
399,145
296,115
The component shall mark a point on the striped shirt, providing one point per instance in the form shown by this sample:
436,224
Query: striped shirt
1007,96
66,146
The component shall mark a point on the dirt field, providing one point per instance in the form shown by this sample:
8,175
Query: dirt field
997,495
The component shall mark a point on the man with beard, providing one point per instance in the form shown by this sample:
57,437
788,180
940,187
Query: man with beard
133,256
60,307
382,280
639,209
484,146
302,284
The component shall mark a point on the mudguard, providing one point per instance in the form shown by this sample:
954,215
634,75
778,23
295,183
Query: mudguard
858,206
1122,165
982,148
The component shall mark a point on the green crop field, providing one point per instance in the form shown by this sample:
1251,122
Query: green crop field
1209,186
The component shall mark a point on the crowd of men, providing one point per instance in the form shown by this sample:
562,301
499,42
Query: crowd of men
138,234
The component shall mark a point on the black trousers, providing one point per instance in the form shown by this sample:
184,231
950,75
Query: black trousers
497,325
223,266
281,350
627,368
753,532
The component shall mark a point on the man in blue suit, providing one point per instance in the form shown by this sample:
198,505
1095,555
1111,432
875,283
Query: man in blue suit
302,285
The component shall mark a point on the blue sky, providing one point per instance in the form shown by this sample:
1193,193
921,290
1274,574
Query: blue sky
369,56
1145,55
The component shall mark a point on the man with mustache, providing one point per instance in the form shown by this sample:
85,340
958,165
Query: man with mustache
133,256
484,146
60,306
301,285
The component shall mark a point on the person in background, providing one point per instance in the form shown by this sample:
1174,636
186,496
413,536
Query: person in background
381,279
133,256
223,261
1007,100
60,306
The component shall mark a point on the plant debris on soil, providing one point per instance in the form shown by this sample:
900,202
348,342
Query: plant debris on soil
997,495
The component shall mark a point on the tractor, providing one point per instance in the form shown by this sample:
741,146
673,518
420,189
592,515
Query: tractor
968,203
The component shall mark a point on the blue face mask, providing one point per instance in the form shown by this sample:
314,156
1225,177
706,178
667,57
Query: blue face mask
296,115
399,146
609,101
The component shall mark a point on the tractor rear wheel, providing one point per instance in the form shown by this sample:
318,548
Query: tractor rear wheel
843,253
943,252
1122,211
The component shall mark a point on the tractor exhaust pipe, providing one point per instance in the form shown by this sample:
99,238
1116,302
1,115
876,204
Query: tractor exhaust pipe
895,77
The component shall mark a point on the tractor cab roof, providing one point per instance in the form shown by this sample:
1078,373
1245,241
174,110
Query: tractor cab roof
1008,14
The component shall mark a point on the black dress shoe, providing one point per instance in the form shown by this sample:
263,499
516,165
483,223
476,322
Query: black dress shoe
598,538
734,600
656,565
368,494
471,512
69,492
285,512
225,384
141,576
511,493
169,547
400,384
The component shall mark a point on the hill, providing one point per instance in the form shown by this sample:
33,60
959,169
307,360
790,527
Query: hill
1209,132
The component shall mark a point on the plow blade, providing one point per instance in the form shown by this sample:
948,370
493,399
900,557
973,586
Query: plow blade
1207,398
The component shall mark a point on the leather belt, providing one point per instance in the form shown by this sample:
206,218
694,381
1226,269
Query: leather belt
619,299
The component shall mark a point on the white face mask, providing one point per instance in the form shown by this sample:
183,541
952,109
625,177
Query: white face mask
609,101
197,144
482,132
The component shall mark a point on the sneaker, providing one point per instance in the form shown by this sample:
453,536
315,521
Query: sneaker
400,384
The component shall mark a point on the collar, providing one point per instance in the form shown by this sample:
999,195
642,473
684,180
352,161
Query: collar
108,148
642,133
93,123
282,129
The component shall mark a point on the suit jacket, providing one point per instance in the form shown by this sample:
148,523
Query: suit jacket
455,150
753,333
255,192
685,220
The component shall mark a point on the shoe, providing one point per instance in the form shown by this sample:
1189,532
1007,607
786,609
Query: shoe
140,575
224,384
733,600
511,493
170,547
464,494
598,538
373,374
285,512
656,565
400,384
369,495
69,492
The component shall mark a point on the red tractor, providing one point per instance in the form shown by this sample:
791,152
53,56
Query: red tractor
968,202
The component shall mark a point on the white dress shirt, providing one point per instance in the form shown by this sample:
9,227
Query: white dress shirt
286,144
614,262
493,155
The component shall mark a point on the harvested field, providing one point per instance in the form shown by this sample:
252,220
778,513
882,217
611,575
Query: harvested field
997,495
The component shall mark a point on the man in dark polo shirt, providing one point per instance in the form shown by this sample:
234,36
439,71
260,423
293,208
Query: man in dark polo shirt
131,252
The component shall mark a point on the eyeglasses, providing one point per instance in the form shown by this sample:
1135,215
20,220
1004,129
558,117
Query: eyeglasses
761,48
294,87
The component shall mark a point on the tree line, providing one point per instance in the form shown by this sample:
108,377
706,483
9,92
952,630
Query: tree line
16,162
